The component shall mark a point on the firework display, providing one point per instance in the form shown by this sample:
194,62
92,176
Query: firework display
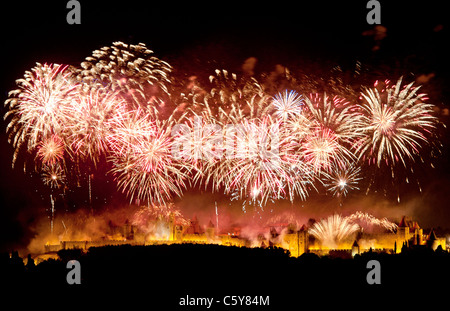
340,181
366,219
236,136
39,107
396,122
207,155
333,230
139,77
147,172
53,175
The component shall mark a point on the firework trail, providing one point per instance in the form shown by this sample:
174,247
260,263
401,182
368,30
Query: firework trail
147,171
90,123
39,108
322,150
231,136
155,220
365,220
167,212
53,175
341,181
228,89
199,143
133,71
262,164
334,124
287,105
126,127
337,115
396,122
228,106
51,150
333,230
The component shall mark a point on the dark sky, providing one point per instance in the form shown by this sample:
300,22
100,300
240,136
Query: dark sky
273,31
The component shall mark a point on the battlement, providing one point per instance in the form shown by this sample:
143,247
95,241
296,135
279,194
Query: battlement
297,242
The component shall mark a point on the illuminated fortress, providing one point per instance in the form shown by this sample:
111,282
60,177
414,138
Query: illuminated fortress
282,235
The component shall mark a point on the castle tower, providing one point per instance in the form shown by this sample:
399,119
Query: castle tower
303,237
262,245
432,241
128,231
297,241
178,233
355,249
194,227
402,233
172,232
418,234
211,232
273,232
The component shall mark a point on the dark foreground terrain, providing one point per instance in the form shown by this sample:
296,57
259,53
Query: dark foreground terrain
170,275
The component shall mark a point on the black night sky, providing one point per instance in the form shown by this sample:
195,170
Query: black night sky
196,38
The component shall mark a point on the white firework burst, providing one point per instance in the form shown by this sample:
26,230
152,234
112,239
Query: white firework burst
287,104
